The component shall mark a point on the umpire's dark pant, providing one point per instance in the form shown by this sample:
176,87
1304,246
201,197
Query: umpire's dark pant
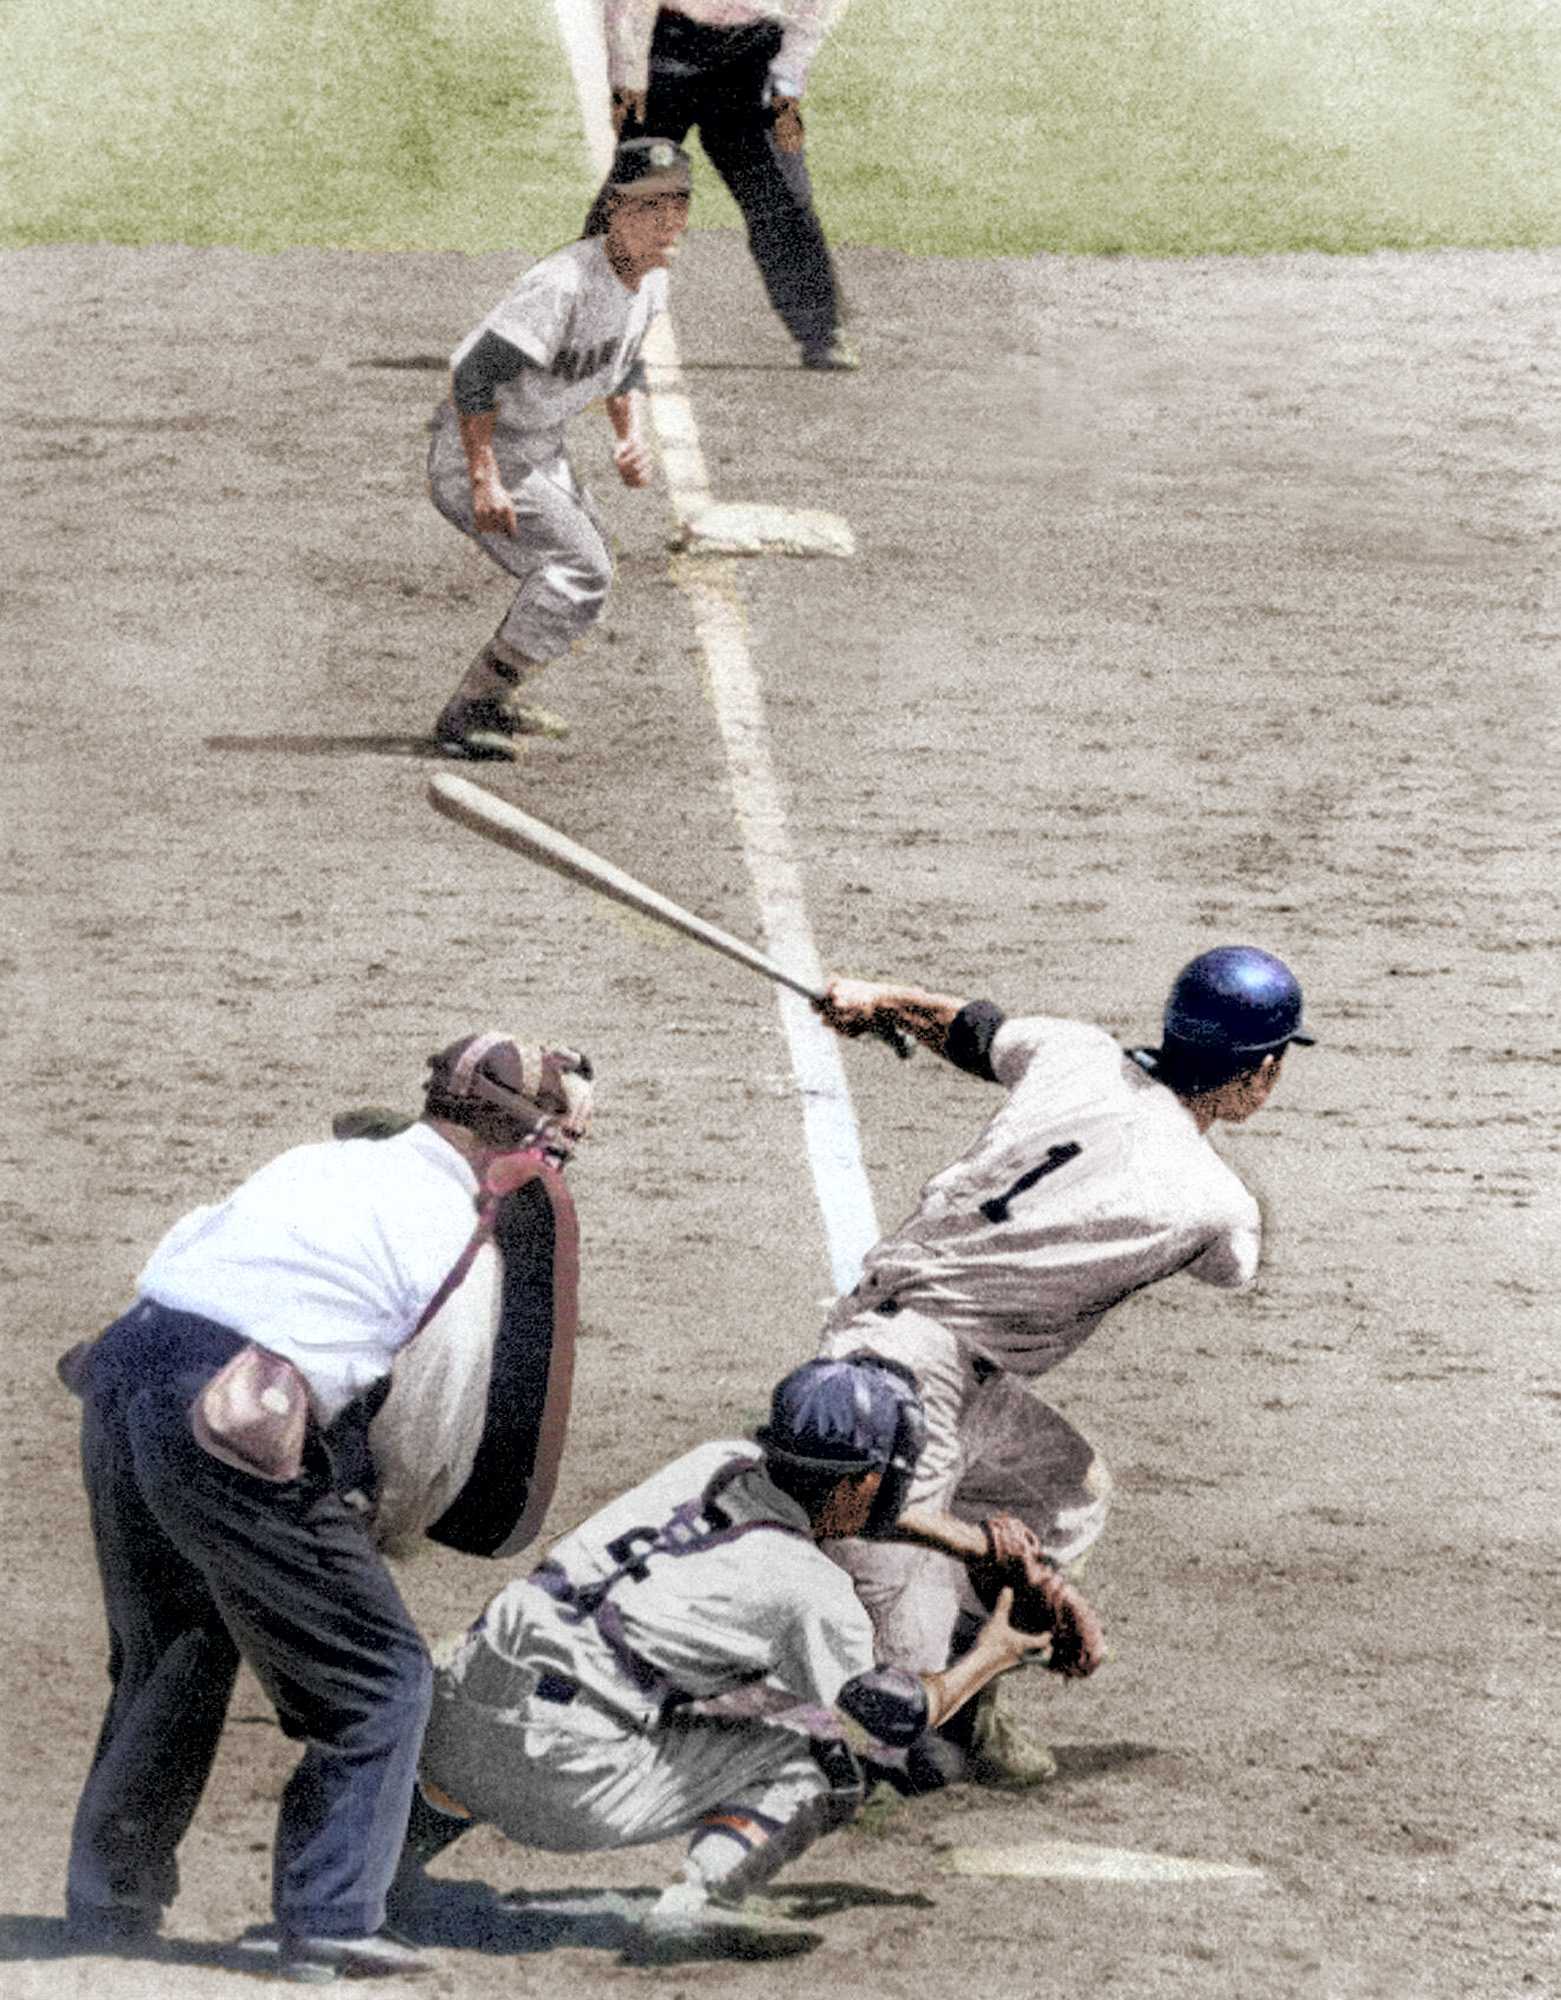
201,1566
715,78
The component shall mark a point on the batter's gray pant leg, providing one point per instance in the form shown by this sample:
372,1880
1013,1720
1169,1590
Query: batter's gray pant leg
561,549
992,1447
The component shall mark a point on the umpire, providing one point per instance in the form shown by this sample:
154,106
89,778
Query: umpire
325,1263
737,69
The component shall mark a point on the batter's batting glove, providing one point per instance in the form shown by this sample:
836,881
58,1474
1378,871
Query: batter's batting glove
1044,1600
786,123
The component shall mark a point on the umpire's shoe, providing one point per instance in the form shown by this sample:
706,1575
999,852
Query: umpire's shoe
311,1961
835,356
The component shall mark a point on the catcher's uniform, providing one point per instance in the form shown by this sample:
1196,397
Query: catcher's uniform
1091,1182
570,332
566,1719
717,64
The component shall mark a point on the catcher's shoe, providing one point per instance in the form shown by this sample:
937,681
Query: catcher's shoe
1002,1757
685,1923
835,356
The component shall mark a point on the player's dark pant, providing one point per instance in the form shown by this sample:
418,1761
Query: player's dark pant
201,1566
714,78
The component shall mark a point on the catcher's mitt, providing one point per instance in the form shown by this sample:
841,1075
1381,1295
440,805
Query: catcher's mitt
1044,1600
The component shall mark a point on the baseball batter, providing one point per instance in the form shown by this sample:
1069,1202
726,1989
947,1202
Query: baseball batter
577,1714
1095,1179
570,333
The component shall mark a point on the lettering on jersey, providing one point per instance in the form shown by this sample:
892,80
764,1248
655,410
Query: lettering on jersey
996,1209
575,363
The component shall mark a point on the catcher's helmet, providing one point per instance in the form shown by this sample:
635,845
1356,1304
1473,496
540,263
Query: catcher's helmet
830,1420
1228,1009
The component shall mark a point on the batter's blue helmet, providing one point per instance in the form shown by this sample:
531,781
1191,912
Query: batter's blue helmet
832,1419
1232,1006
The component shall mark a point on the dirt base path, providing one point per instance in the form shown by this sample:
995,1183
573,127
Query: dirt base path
1194,601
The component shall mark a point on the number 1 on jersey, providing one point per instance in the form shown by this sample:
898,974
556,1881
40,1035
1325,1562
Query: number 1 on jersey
996,1209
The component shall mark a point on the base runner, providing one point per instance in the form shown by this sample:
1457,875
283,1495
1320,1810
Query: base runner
570,333
1094,1179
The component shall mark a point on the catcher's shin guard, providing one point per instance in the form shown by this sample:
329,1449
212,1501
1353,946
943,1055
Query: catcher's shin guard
734,1851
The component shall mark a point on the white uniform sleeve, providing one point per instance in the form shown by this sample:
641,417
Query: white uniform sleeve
809,21
824,1638
535,316
1230,1260
629,24
1018,1042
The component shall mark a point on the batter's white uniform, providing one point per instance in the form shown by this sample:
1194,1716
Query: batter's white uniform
580,330
1091,1182
570,1729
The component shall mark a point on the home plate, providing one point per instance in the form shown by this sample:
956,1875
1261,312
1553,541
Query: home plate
731,528
1068,1860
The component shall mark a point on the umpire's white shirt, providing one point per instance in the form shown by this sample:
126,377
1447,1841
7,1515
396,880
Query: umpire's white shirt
328,1256
1140,1194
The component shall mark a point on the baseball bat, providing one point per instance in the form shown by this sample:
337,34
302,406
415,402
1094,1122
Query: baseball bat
496,819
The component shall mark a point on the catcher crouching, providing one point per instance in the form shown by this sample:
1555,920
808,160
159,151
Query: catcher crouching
690,1661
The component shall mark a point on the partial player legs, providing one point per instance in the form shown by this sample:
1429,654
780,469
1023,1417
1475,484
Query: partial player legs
172,1664
715,78
313,1609
561,552
573,1778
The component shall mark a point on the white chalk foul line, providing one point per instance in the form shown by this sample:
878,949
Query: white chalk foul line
710,585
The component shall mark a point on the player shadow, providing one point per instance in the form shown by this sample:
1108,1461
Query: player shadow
23,1938
336,746
472,1916
1090,1760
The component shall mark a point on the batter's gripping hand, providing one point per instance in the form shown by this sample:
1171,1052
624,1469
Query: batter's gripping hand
1044,1601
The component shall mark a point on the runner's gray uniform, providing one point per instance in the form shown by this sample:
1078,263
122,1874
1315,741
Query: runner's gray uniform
1091,1182
565,1718
571,332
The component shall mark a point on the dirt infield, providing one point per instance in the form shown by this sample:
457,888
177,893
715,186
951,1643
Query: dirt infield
1194,601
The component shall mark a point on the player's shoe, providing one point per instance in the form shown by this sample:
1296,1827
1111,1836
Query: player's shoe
1002,1757
837,355
312,1961
686,1923
488,729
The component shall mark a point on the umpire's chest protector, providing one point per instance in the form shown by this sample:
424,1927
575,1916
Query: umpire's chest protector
468,1441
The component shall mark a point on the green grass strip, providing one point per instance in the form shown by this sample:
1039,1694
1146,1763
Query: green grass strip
969,127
